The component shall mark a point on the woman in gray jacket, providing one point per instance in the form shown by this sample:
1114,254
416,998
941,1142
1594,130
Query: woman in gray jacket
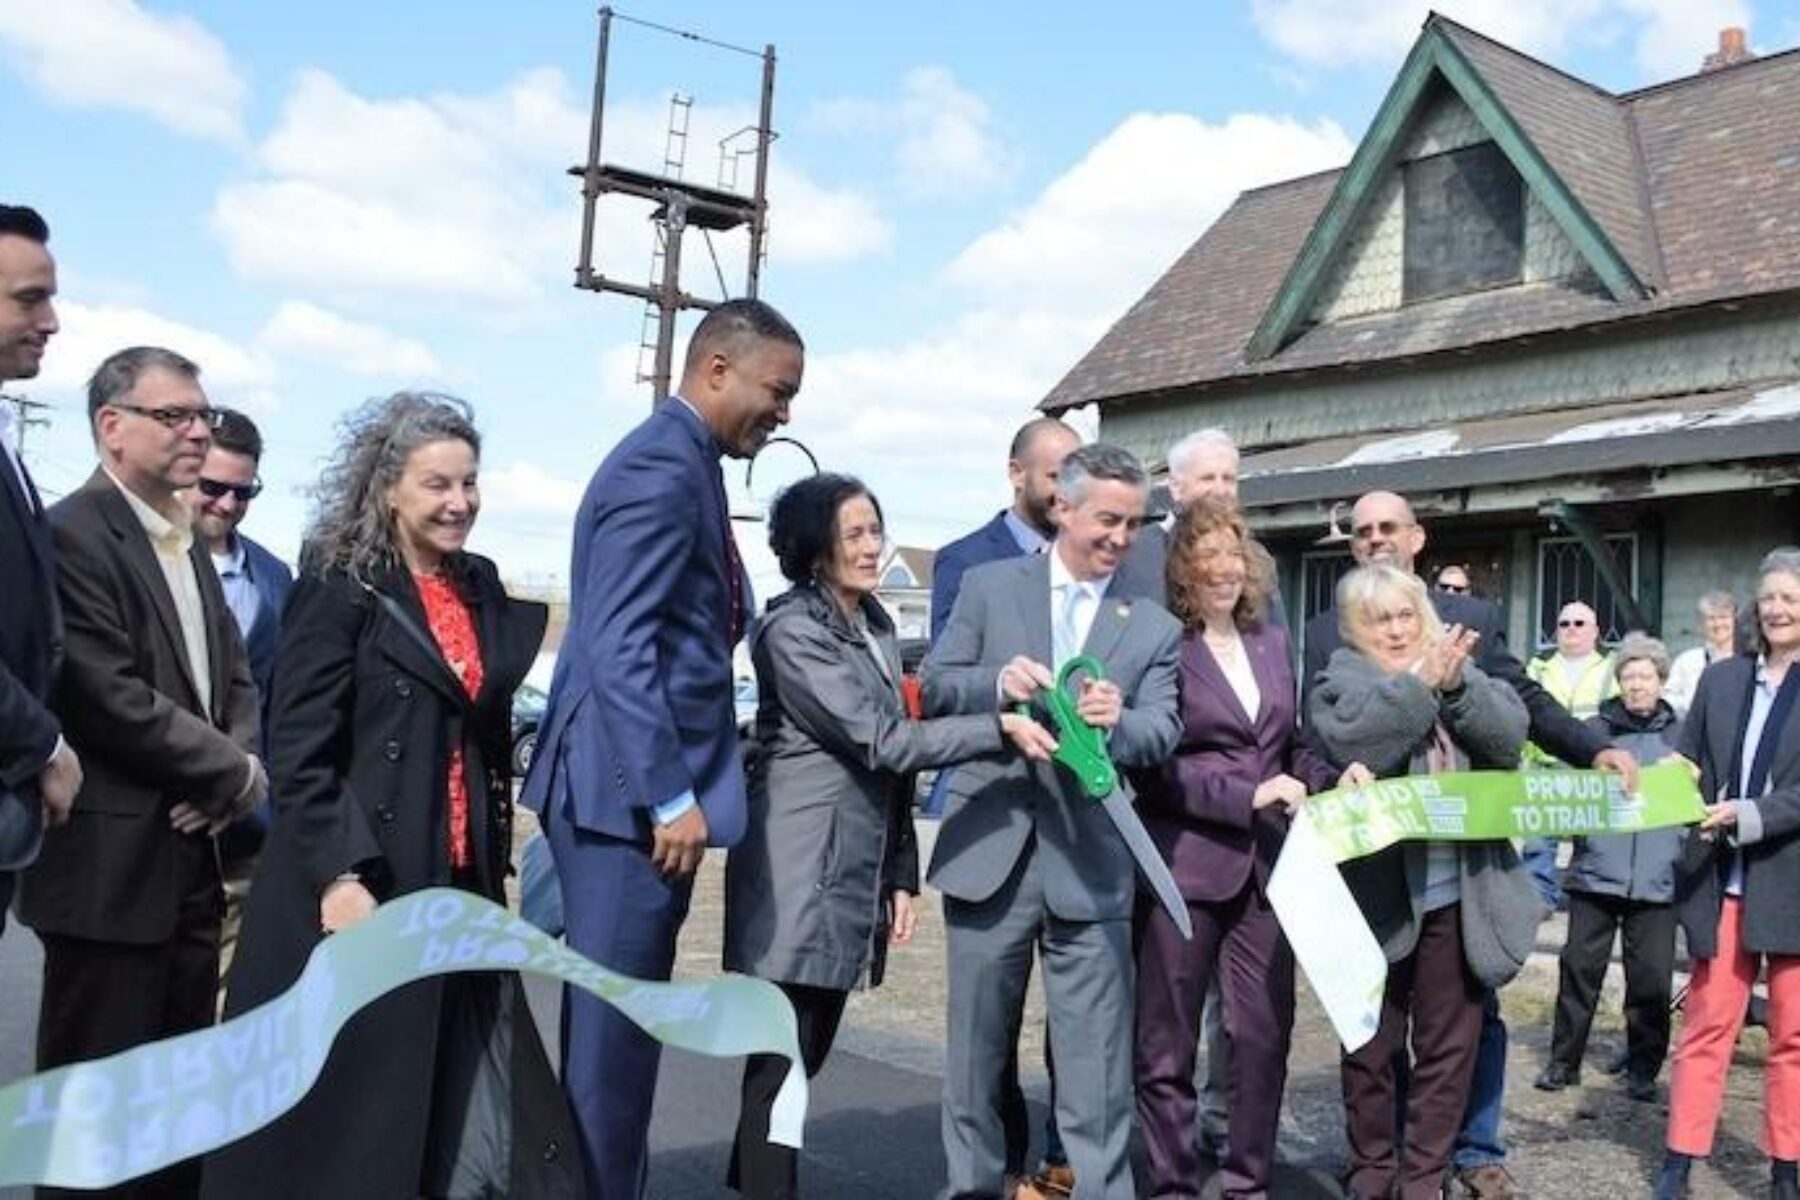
828,868
1454,918
1623,883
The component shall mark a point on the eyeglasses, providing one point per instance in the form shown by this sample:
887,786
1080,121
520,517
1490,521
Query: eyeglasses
1386,529
174,418
1573,624
1455,589
214,489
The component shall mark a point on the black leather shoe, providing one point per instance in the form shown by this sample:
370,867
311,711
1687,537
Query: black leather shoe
1641,1088
1617,1061
1555,1077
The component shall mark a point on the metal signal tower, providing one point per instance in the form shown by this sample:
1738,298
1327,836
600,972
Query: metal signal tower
678,205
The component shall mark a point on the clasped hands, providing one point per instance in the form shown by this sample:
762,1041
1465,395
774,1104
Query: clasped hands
1440,667
1100,704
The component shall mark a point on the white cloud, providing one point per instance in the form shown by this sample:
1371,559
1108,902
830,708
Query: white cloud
1668,37
453,196
91,332
524,490
927,421
1102,232
113,54
946,141
1677,34
306,330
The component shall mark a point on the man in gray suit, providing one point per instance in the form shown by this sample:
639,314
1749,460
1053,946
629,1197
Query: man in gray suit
1024,858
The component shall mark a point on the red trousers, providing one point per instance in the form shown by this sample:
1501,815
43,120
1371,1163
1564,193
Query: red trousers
1714,1015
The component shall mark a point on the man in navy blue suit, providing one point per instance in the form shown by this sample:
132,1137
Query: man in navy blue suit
256,585
637,770
1037,451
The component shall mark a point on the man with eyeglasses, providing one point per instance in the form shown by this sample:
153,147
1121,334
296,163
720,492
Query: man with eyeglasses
256,585
157,699
1383,529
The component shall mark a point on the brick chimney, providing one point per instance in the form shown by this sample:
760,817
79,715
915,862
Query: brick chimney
1734,47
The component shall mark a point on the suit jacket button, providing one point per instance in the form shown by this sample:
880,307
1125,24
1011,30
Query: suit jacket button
391,750
552,1151
402,689
385,813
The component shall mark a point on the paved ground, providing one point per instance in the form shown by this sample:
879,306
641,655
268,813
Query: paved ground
873,1130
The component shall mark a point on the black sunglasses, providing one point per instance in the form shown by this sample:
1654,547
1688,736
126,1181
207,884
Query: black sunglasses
1571,624
214,489
1455,589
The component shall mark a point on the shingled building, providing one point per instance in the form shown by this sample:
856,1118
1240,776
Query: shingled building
1564,322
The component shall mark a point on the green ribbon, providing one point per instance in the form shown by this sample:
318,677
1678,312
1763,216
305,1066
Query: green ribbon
1461,806
1334,945
96,1124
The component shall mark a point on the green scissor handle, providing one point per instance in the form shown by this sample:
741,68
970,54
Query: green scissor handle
1079,746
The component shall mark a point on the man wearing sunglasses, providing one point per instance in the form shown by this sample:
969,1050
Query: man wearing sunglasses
1383,529
256,585
157,699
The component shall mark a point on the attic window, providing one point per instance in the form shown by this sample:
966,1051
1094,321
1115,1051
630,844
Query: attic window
1465,222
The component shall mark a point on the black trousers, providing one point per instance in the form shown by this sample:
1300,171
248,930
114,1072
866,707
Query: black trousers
103,997
1648,931
759,1169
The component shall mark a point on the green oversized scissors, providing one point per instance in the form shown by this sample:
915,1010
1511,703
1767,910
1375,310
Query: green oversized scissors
1082,749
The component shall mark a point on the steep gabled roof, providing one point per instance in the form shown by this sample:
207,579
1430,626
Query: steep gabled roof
1680,194
1584,135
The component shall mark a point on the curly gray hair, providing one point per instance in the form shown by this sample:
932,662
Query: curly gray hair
352,529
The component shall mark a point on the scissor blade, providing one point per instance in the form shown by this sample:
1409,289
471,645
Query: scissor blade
1149,863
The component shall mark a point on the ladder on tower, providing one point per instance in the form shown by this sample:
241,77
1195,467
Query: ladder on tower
674,161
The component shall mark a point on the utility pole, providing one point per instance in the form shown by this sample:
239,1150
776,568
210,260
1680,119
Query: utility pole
27,422
679,206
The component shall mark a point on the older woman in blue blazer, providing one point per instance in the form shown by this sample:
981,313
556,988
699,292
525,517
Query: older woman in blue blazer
1219,812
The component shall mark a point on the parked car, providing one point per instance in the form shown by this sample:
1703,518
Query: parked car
744,701
527,713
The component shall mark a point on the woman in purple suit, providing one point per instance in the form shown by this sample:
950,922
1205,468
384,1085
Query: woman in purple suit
1219,812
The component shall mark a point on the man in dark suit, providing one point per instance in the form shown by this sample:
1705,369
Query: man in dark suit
156,697
638,769
1038,450
1032,463
37,767
1203,463
256,584
1024,859
1384,529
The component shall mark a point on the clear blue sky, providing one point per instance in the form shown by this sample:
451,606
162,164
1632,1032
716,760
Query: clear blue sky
324,202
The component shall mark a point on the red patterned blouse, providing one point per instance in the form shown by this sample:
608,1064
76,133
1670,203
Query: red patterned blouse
454,630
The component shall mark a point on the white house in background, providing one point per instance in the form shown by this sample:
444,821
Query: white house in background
905,589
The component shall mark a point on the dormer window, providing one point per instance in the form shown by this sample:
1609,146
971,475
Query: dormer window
1465,223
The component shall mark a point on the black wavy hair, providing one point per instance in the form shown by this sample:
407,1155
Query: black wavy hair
803,522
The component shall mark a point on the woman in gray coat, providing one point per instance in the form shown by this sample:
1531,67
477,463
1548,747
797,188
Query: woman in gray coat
828,868
1623,883
1454,918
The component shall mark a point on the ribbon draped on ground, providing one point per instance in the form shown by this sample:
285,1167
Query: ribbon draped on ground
1331,941
99,1123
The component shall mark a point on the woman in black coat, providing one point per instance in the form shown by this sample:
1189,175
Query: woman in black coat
389,740
1737,893
828,867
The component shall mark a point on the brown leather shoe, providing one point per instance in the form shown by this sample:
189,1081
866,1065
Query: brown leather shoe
1055,1182
1022,1187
